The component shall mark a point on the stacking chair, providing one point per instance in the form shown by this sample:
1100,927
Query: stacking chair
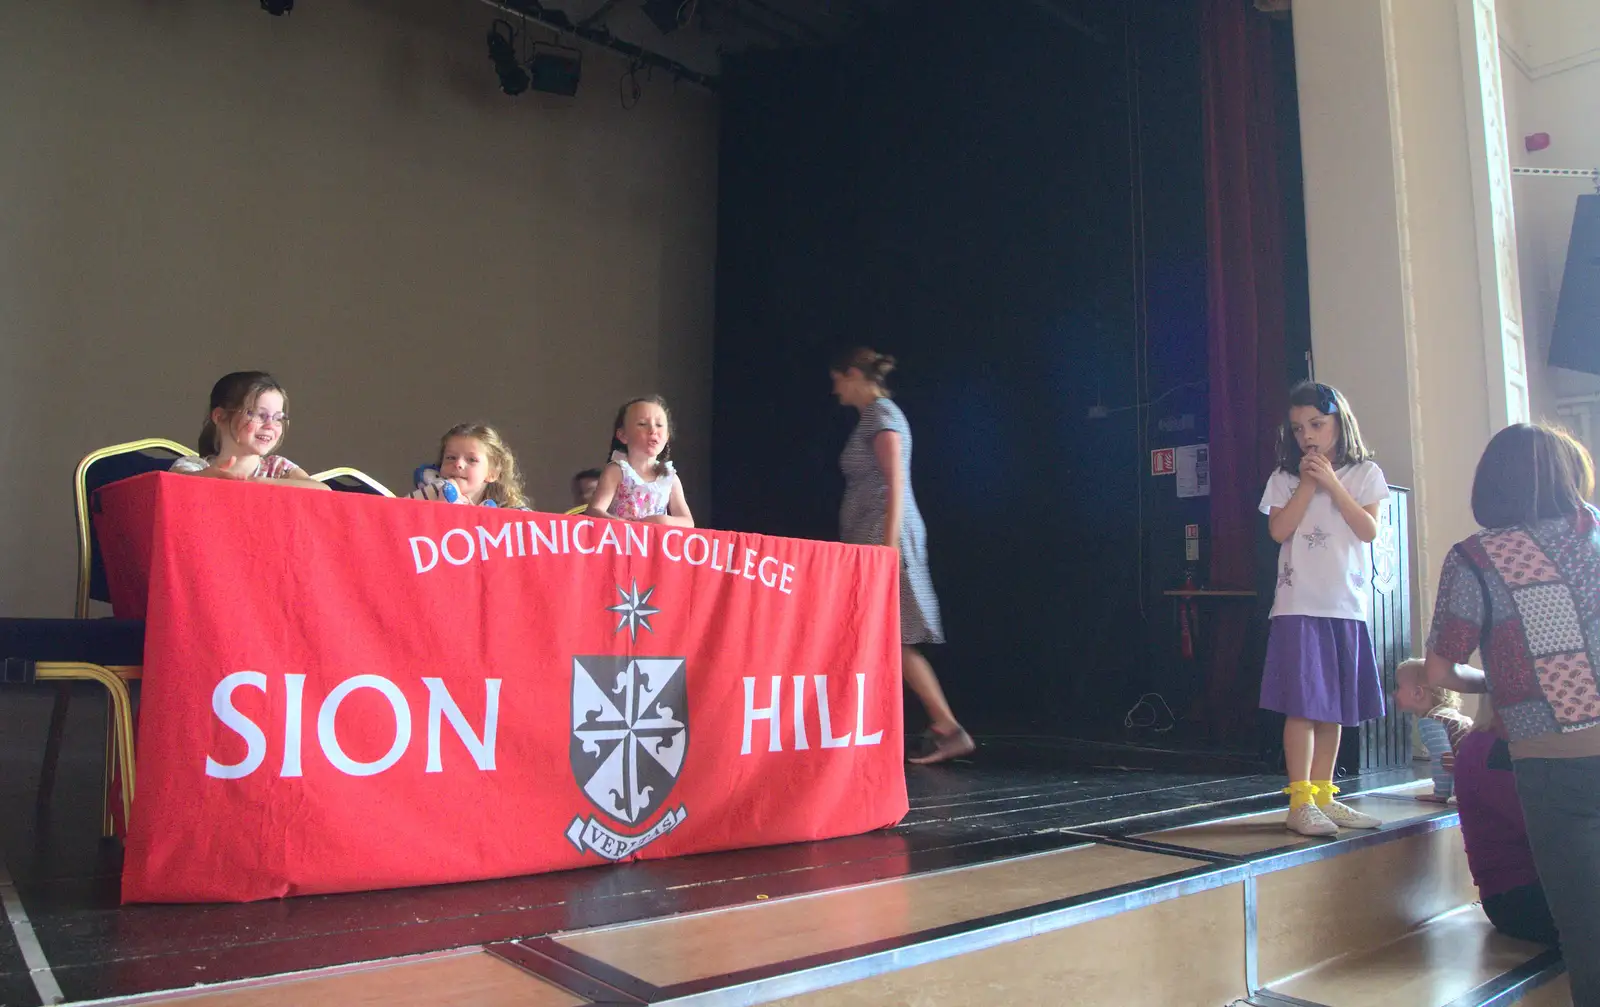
348,480
106,651
101,468
109,652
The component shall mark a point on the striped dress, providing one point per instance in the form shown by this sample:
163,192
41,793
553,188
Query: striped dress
1442,729
861,517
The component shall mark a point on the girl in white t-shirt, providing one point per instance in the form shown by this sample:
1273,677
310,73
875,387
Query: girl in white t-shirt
1321,672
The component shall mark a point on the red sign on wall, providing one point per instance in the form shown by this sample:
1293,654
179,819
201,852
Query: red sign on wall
1163,462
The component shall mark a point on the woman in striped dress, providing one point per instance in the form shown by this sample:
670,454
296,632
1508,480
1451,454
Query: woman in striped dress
880,509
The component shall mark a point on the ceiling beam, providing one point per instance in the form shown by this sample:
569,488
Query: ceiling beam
531,10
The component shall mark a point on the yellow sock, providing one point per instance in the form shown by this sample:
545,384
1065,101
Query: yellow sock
1300,792
1325,792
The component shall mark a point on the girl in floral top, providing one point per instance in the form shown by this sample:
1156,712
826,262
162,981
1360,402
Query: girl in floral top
245,424
639,483
1525,594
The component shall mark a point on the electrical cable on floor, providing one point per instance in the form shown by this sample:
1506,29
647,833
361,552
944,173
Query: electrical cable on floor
1151,718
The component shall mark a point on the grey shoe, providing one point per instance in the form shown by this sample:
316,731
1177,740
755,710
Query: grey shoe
1346,817
1308,820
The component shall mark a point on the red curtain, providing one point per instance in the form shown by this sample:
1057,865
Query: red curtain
1246,308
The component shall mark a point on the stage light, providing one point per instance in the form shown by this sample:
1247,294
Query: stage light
503,54
277,8
555,69
669,15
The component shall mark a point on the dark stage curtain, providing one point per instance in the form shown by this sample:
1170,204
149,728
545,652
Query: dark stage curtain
1245,322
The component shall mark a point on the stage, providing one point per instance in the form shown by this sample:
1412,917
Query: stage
1023,795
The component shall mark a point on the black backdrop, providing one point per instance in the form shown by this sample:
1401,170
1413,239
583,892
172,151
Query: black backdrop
1016,211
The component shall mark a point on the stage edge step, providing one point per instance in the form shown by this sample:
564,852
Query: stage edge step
602,983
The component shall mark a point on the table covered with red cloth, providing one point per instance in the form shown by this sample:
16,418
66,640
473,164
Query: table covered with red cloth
346,692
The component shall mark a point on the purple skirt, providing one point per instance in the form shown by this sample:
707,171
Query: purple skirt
1323,670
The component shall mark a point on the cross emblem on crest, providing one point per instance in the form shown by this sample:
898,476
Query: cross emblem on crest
629,732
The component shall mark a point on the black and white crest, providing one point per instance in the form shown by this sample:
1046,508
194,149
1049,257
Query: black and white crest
1386,557
630,731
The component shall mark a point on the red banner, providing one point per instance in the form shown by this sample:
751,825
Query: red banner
347,692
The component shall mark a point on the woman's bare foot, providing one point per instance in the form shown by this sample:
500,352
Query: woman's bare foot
952,744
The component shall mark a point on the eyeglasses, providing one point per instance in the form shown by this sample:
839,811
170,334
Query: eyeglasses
265,418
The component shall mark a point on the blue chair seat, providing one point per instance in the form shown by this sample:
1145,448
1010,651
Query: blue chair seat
106,642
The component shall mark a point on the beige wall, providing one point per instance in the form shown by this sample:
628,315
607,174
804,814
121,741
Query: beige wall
1353,203
1453,417
1551,65
1393,239
1413,242
342,197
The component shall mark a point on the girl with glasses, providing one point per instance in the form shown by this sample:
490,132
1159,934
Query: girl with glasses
245,425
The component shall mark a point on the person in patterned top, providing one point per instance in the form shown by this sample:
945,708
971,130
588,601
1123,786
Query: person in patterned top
1525,594
245,424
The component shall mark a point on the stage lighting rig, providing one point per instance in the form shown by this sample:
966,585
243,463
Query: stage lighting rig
555,69
669,15
503,54
277,8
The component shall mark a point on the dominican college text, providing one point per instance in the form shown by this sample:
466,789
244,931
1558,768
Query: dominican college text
561,536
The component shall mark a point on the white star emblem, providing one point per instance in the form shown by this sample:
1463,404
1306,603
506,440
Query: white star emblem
634,610
1286,578
1316,538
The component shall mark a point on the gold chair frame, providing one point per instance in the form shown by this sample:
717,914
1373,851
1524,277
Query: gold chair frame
575,511
119,738
355,474
80,496
115,679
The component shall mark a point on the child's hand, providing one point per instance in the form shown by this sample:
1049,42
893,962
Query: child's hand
443,491
1318,469
233,468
